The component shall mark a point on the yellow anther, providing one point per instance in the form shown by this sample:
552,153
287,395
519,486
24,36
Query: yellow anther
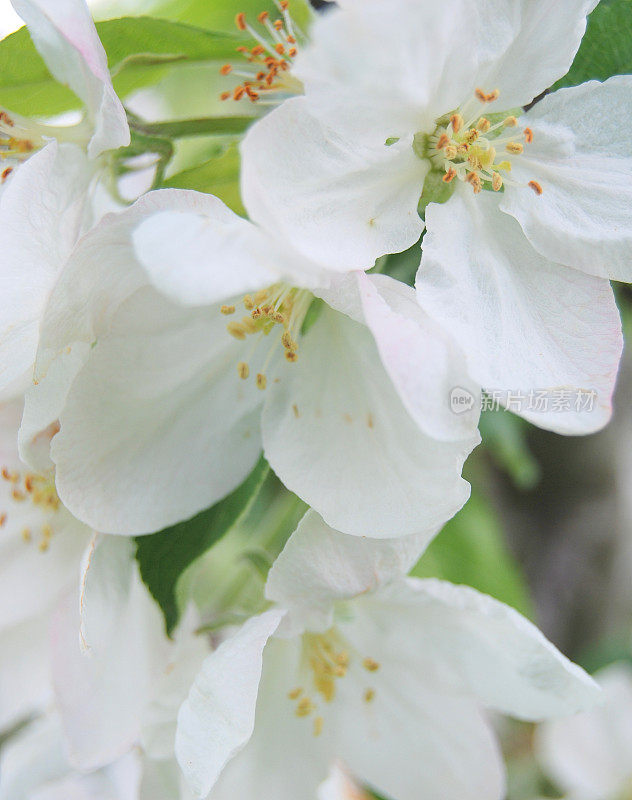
515,148
260,296
47,531
304,707
288,342
26,535
3,519
43,546
295,693
369,695
17,495
370,664
262,381
537,188
497,182
487,97
291,356
471,136
243,370
249,324
227,309
444,141
483,125
318,726
504,165
528,135
510,122
449,176
450,152
236,329
457,122
462,149
249,303
475,182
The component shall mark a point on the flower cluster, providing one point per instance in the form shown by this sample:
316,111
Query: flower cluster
151,357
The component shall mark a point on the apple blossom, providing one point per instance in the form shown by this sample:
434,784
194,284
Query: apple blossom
532,211
355,662
165,392
590,756
47,174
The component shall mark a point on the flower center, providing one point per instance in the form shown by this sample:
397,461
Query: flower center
269,60
326,659
40,492
475,148
17,142
279,308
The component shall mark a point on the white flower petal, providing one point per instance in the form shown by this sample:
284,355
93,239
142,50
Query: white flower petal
203,257
159,402
26,686
591,755
584,216
524,323
420,357
41,212
64,33
464,641
539,43
104,678
336,433
319,566
100,274
338,202
34,756
340,786
218,718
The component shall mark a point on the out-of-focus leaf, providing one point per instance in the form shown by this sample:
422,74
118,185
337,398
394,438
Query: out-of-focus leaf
401,266
606,48
471,550
139,50
164,556
220,14
504,437
218,176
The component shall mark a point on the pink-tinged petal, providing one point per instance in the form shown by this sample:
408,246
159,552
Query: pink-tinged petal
65,35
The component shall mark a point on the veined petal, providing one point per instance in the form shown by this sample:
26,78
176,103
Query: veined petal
64,33
526,324
539,43
420,357
320,566
462,641
584,215
338,202
218,718
41,211
337,434
157,426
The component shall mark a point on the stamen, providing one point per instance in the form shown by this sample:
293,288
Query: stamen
456,121
528,135
318,726
370,664
487,97
537,188
243,370
497,182
262,381
449,176
369,695
227,309
515,148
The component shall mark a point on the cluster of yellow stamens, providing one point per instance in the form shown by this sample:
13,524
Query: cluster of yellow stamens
270,59
38,490
280,305
328,659
469,149
14,144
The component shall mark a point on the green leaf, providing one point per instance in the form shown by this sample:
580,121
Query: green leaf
505,437
139,50
218,176
165,555
471,550
606,48
220,14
